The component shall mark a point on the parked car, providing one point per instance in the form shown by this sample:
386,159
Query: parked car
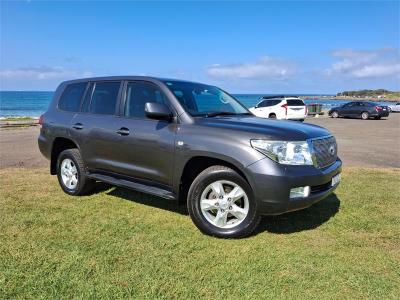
395,108
280,107
186,141
362,109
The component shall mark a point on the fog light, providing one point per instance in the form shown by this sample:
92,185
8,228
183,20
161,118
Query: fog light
300,192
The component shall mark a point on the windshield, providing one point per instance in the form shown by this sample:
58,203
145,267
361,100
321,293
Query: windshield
205,100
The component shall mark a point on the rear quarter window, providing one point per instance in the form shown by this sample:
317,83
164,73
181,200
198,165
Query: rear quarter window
70,99
295,102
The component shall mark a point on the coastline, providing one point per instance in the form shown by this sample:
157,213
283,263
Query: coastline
16,108
348,98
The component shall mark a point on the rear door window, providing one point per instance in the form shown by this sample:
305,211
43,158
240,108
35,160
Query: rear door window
104,98
71,98
295,102
275,102
264,103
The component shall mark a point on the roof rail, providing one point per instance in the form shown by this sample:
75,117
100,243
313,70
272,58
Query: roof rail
278,96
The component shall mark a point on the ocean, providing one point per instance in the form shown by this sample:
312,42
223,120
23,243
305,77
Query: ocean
33,104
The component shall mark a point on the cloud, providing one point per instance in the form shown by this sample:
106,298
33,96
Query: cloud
365,64
41,73
265,68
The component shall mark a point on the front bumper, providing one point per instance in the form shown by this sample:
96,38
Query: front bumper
271,183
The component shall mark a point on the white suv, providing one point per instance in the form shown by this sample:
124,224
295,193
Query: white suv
280,107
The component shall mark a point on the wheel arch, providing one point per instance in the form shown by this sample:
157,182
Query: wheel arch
195,165
272,114
59,144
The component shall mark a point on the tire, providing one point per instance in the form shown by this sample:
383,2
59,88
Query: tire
70,166
272,116
244,217
335,114
378,118
365,115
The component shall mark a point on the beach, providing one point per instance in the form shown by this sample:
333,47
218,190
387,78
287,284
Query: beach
371,143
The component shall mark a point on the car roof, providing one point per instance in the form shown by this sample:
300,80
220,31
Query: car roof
126,77
276,97
279,99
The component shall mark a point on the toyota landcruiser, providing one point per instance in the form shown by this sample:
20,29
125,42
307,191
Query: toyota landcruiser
190,142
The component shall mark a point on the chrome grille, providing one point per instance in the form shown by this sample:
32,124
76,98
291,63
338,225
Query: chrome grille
325,151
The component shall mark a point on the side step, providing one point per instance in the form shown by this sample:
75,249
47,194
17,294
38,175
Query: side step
134,186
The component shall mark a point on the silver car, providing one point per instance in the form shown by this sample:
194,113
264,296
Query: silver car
395,108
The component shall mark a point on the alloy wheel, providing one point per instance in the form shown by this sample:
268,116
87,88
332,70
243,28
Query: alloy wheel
224,204
364,115
69,173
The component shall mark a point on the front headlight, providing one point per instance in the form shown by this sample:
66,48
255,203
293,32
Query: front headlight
287,153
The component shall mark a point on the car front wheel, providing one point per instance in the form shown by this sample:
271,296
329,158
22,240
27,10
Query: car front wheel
221,203
335,114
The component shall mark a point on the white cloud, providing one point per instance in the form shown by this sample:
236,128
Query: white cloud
265,68
365,64
42,73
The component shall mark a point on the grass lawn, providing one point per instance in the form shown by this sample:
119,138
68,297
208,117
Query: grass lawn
118,243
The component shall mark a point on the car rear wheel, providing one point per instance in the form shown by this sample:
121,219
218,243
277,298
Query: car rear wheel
335,114
272,116
71,173
221,203
377,118
365,115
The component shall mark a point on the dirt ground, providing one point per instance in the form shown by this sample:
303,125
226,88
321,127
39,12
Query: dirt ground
372,143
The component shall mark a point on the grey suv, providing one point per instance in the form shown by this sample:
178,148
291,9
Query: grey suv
186,141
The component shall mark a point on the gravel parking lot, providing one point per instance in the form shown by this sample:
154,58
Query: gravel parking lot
371,143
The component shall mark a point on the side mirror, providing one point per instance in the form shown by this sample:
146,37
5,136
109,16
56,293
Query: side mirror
157,111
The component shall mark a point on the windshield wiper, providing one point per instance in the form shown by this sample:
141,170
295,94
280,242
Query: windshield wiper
223,113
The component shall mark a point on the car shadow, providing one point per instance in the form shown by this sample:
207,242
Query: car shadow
146,199
301,220
100,187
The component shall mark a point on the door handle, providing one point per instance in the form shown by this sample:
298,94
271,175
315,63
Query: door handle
123,131
77,126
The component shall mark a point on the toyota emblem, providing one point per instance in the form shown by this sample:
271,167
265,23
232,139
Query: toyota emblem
332,149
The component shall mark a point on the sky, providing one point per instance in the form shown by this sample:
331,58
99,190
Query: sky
315,47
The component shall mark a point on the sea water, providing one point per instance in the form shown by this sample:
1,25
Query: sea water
33,104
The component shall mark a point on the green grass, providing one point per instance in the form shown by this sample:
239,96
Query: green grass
118,243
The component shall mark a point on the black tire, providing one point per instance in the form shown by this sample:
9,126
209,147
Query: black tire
365,115
378,118
272,116
201,182
335,114
84,184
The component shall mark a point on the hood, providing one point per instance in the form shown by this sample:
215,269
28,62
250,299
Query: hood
266,128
